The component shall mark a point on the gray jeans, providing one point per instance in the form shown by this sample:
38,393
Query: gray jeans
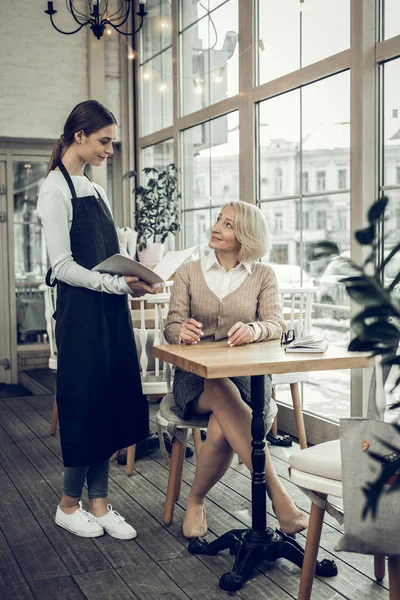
96,476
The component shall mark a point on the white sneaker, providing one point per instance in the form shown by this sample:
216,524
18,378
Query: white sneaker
79,522
115,525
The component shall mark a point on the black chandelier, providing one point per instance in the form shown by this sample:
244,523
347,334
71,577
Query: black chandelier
98,18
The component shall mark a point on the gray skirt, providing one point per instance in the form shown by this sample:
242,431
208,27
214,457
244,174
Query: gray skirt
187,387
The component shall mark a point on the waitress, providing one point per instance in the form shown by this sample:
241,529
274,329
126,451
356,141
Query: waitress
99,395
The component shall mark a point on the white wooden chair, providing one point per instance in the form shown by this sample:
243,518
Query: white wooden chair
297,304
155,376
318,472
157,379
50,300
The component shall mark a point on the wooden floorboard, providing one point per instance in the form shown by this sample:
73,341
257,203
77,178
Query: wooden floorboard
42,561
19,591
13,391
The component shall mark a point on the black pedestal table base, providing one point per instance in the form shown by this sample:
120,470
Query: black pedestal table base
259,543
251,550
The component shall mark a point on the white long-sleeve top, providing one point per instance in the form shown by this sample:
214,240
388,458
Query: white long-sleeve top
55,213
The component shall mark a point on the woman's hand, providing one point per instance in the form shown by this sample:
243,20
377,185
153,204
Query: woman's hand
239,334
190,331
138,287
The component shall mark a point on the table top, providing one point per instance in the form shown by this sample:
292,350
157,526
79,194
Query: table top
217,359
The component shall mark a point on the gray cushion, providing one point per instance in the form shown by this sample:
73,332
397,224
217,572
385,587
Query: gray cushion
165,410
323,460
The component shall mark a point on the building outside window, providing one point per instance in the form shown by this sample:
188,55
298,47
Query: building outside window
342,179
321,180
321,219
278,222
278,180
305,177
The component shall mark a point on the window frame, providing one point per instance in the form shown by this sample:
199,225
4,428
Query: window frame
367,51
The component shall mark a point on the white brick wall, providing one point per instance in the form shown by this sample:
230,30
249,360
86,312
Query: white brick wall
43,73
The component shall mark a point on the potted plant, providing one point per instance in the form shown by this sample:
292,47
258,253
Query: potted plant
157,211
377,330
370,447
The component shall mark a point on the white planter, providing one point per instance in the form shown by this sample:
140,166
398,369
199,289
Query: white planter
151,255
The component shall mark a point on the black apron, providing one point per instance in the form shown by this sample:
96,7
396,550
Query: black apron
99,392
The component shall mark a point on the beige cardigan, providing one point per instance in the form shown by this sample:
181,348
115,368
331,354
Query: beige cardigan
255,300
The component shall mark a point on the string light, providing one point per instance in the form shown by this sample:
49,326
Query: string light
164,25
197,81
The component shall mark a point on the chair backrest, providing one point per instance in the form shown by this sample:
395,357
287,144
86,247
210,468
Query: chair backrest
297,305
157,378
50,300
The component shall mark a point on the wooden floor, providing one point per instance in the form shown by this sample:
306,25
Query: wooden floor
40,560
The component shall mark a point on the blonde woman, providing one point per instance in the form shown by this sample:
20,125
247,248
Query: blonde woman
230,296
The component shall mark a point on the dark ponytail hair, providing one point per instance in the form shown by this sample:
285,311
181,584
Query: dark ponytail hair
88,116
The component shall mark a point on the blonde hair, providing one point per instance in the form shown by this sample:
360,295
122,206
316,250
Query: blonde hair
251,230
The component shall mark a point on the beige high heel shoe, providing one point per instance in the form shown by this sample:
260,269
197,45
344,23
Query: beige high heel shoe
291,526
196,530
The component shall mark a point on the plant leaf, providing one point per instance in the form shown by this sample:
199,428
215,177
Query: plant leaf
377,209
365,236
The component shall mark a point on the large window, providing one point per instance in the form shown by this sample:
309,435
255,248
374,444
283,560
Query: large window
292,35
305,135
390,21
390,155
269,122
210,161
208,52
158,155
155,71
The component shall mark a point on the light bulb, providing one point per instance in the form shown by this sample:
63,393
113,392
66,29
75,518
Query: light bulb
199,89
218,79
164,24
146,75
163,87
131,55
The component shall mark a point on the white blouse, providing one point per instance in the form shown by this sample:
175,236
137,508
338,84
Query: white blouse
55,214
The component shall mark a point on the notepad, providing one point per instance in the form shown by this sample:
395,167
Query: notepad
117,264
311,343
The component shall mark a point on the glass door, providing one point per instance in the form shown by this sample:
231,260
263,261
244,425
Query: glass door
5,348
30,258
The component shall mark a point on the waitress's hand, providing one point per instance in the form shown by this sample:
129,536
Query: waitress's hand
190,331
239,334
138,287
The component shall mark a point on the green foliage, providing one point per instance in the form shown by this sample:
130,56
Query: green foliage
157,204
377,328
